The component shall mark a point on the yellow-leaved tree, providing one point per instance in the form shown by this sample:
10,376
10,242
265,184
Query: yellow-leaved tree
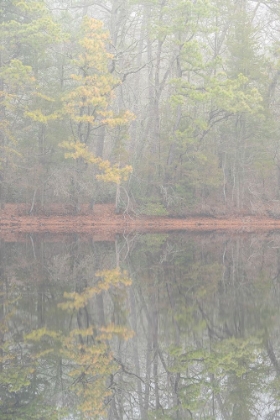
87,106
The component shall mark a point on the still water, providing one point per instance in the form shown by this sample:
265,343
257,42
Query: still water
157,326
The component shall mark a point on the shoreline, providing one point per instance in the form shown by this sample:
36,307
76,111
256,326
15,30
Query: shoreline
103,220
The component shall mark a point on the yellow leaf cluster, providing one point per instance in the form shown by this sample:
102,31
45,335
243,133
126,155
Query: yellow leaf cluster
110,330
116,121
37,335
37,115
89,96
111,173
115,277
108,279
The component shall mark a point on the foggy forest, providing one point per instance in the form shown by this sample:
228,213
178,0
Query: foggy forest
166,107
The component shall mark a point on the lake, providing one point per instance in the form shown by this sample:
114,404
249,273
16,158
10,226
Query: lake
149,326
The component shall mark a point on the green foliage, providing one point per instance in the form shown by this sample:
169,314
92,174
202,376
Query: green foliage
229,363
233,356
153,209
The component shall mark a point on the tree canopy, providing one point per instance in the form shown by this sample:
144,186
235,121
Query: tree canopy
170,104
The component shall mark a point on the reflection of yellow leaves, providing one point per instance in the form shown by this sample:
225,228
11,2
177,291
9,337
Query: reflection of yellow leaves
108,278
43,353
83,333
77,300
93,363
43,96
110,330
93,399
114,277
37,335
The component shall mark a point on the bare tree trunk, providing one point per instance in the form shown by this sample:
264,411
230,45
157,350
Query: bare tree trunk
137,92
100,134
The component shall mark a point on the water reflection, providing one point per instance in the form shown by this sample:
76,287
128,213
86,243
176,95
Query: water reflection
176,326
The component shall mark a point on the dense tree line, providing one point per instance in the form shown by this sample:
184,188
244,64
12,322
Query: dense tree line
168,106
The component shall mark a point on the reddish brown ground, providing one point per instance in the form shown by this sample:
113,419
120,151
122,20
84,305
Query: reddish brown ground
103,223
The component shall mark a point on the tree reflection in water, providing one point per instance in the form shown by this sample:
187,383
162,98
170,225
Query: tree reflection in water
168,327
